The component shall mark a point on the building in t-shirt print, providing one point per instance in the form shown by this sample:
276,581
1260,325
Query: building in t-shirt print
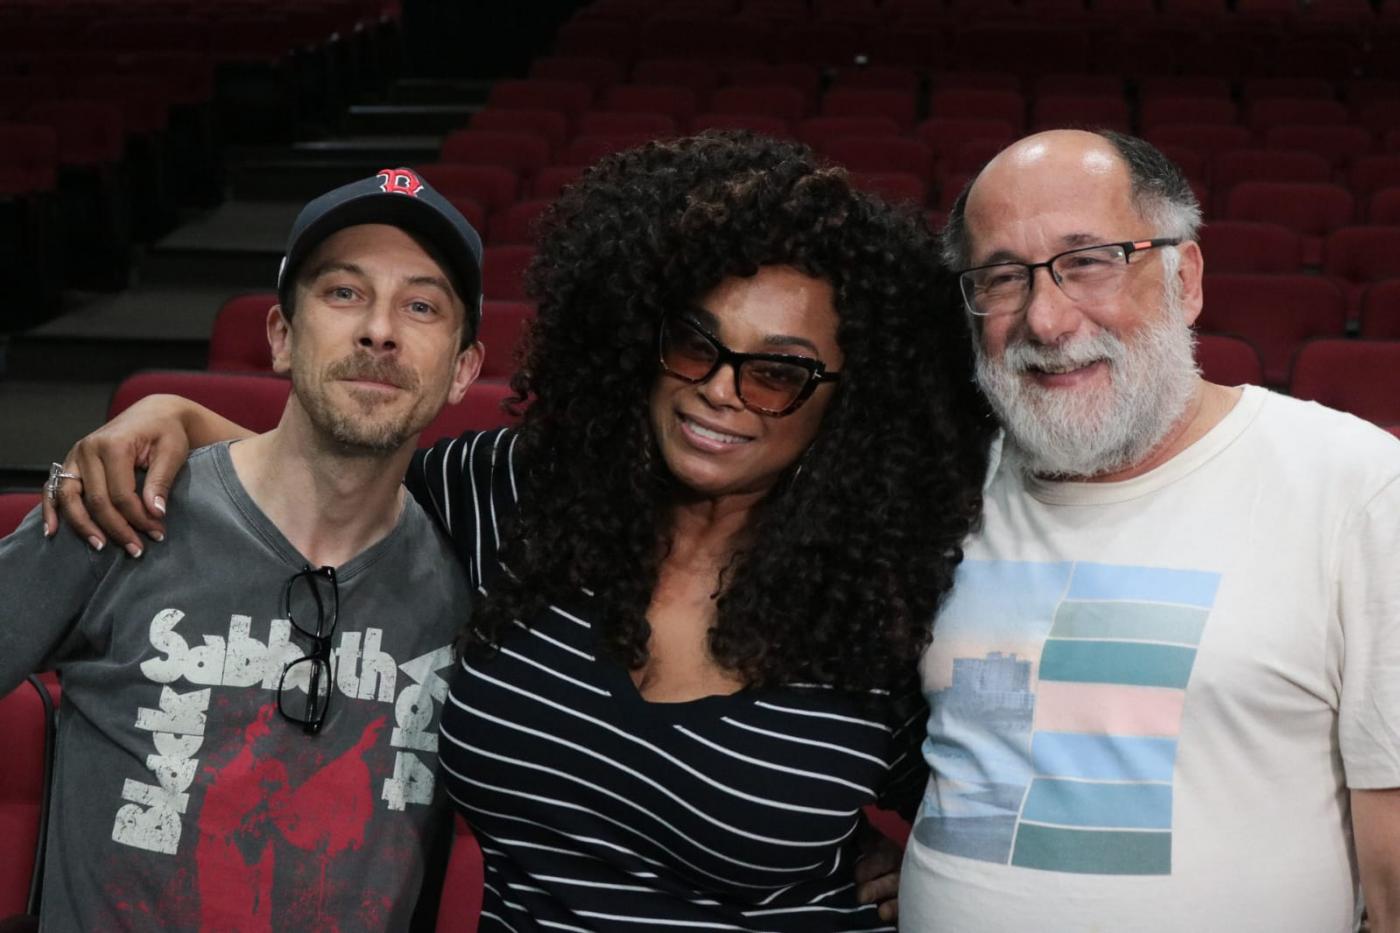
1056,692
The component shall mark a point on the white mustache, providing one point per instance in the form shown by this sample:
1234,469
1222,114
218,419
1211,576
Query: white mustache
1103,346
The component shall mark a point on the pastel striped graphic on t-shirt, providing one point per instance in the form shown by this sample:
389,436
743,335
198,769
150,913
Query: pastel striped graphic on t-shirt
1112,679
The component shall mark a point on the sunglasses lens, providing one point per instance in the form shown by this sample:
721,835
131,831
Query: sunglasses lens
772,386
685,351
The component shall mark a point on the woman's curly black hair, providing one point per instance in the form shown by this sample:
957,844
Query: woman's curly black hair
846,564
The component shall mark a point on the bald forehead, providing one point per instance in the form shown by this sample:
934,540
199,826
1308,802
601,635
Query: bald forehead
1062,188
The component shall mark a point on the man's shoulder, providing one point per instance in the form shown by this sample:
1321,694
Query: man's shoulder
1326,435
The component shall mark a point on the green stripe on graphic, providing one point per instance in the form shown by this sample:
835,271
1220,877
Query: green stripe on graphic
1092,853
1141,621
1108,662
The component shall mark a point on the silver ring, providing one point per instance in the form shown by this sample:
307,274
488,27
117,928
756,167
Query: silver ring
57,474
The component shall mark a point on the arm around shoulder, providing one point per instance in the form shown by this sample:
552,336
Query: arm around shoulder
156,433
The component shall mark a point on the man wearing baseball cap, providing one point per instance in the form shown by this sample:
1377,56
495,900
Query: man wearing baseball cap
249,732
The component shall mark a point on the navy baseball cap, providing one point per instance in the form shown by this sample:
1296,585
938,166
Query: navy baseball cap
400,198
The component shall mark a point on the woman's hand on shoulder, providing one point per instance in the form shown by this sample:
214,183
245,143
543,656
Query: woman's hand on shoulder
102,504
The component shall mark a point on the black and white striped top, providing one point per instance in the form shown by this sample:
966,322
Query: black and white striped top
597,810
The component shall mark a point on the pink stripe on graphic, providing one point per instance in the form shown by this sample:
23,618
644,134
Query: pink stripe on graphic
1108,709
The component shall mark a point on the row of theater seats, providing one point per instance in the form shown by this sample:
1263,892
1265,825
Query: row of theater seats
112,117
857,12
1332,39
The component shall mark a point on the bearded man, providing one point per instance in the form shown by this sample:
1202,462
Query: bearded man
1165,693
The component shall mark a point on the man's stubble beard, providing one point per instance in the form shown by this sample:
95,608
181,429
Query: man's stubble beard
364,430
1076,434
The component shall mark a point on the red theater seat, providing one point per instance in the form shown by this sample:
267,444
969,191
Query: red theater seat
1384,207
1164,111
552,181
1371,173
1275,313
1363,254
945,137
1312,210
550,125
502,327
609,123
1275,111
700,77
597,73
1096,112
1250,246
1258,89
523,153
854,102
896,187
13,507
974,104
817,132
882,154
786,103
460,905
805,78
1338,144
253,401
516,224
673,100
1358,376
480,410
585,150
27,723
1240,165
503,272
1228,361
570,98
768,126
1204,138
1380,310
239,340
491,186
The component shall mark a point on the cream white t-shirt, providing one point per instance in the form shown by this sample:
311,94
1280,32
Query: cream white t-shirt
1149,698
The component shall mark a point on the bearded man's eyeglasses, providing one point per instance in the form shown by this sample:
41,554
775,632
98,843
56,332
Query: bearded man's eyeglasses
1086,274
311,592
773,384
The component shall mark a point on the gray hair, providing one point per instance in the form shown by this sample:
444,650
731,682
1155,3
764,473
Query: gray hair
1161,196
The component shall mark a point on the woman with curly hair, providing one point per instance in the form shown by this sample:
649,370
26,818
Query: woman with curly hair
709,555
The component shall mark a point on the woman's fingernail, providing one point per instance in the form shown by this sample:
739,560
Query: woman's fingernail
159,503
97,543
157,536
134,549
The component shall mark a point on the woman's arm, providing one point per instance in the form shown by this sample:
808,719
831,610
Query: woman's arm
155,434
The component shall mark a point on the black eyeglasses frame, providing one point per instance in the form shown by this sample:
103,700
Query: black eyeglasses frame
817,373
1127,246
319,657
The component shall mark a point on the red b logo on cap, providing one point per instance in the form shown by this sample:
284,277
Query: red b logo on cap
400,181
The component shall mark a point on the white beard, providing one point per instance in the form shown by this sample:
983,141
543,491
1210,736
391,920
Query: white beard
1081,433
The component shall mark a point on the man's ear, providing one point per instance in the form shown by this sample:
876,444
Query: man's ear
279,340
465,370
1190,271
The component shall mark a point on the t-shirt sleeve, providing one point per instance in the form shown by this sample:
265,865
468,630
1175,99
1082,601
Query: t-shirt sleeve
45,583
1369,605
908,775
435,479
